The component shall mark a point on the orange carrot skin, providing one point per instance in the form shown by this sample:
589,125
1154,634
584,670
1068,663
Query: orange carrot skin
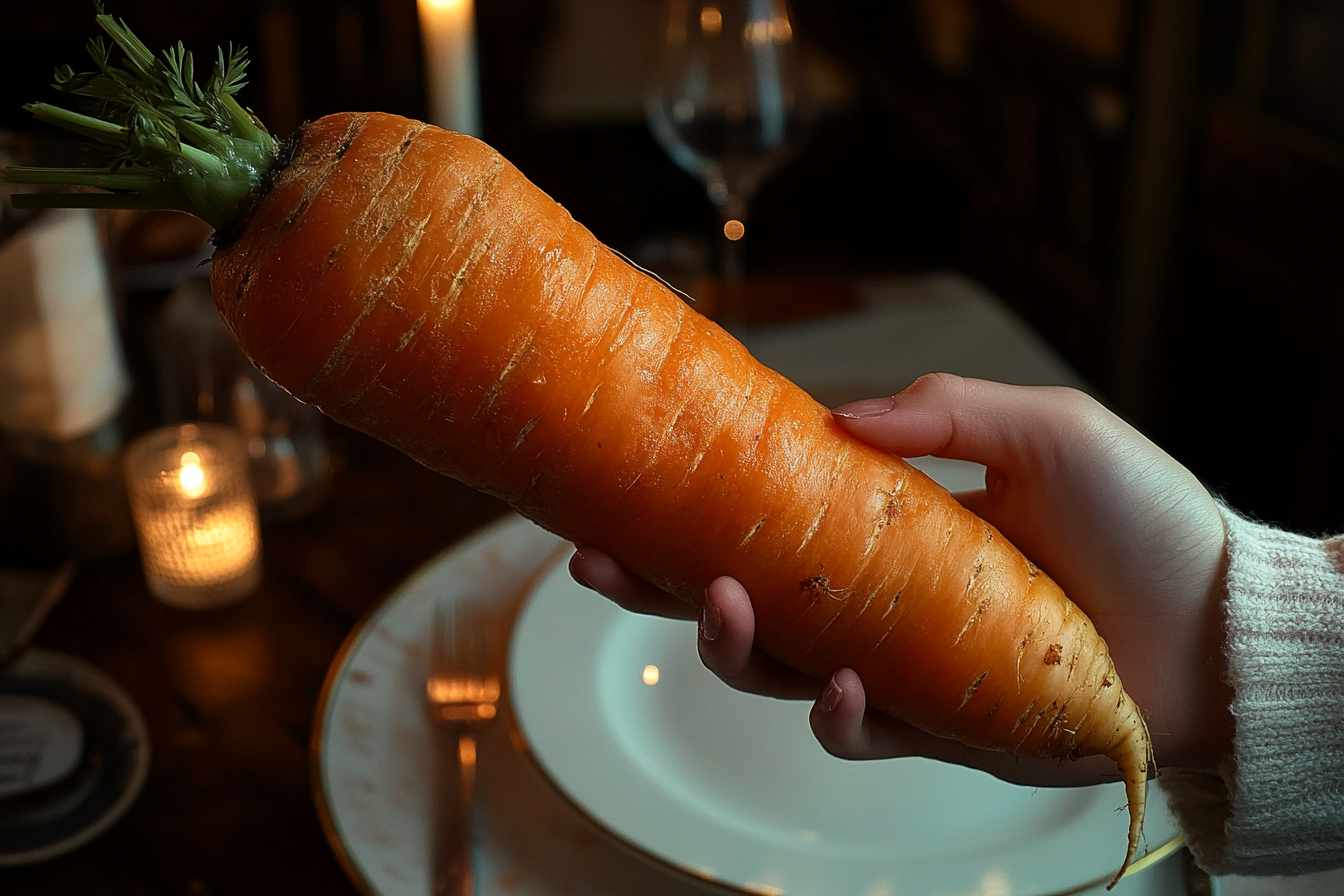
414,285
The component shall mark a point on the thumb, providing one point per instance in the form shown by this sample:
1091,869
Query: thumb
955,417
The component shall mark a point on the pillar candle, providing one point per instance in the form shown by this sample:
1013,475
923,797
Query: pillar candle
448,35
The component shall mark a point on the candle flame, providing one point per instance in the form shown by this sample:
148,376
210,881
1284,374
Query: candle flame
190,476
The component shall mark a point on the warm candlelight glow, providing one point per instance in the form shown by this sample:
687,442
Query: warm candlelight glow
195,514
466,751
651,675
763,31
191,476
462,691
448,33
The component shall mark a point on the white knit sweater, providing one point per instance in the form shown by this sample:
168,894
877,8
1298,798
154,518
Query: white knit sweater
1279,807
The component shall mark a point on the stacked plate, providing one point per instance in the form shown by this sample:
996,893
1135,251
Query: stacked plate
624,766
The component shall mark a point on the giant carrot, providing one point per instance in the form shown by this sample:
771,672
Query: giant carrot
414,285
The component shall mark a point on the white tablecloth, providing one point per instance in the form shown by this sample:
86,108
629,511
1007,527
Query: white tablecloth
907,327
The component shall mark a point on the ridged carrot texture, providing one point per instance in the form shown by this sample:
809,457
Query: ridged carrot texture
413,284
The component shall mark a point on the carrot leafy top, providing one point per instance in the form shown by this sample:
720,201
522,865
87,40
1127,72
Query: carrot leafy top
162,140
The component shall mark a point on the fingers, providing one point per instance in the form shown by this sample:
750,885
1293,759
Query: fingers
967,419
1050,454
843,726
727,625
976,501
599,571
840,718
845,729
727,632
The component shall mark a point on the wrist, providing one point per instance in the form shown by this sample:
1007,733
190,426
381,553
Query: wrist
1218,722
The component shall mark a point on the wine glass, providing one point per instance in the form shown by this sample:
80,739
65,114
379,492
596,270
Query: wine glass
727,104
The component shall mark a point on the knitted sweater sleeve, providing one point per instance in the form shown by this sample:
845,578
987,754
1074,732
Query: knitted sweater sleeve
1278,806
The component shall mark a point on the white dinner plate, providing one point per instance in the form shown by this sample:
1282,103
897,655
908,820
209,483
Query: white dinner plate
732,789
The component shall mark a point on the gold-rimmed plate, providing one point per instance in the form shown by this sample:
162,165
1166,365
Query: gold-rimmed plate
372,759
373,762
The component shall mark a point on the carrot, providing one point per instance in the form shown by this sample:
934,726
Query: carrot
414,285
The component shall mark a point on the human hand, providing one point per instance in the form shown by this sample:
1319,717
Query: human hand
1129,534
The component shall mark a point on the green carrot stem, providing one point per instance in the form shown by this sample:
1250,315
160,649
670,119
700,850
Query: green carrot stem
85,177
244,124
160,139
84,125
95,200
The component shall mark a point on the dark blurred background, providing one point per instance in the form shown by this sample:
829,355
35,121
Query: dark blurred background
1155,185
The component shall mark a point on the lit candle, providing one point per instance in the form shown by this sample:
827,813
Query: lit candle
195,514
448,34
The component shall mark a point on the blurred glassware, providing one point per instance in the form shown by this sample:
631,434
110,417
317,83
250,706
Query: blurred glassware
62,371
64,388
64,499
203,376
195,514
728,104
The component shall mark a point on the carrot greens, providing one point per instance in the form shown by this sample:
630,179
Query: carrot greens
161,139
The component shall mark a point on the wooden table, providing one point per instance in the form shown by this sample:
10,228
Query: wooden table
229,695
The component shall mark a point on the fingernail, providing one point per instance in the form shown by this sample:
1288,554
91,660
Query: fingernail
578,578
711,617
830,698
868,407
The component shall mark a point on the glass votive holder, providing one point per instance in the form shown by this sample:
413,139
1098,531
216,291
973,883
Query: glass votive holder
195,514
203,376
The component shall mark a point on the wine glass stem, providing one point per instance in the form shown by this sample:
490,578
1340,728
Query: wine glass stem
733,219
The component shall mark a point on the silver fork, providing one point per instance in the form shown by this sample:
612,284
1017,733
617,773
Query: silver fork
462,691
